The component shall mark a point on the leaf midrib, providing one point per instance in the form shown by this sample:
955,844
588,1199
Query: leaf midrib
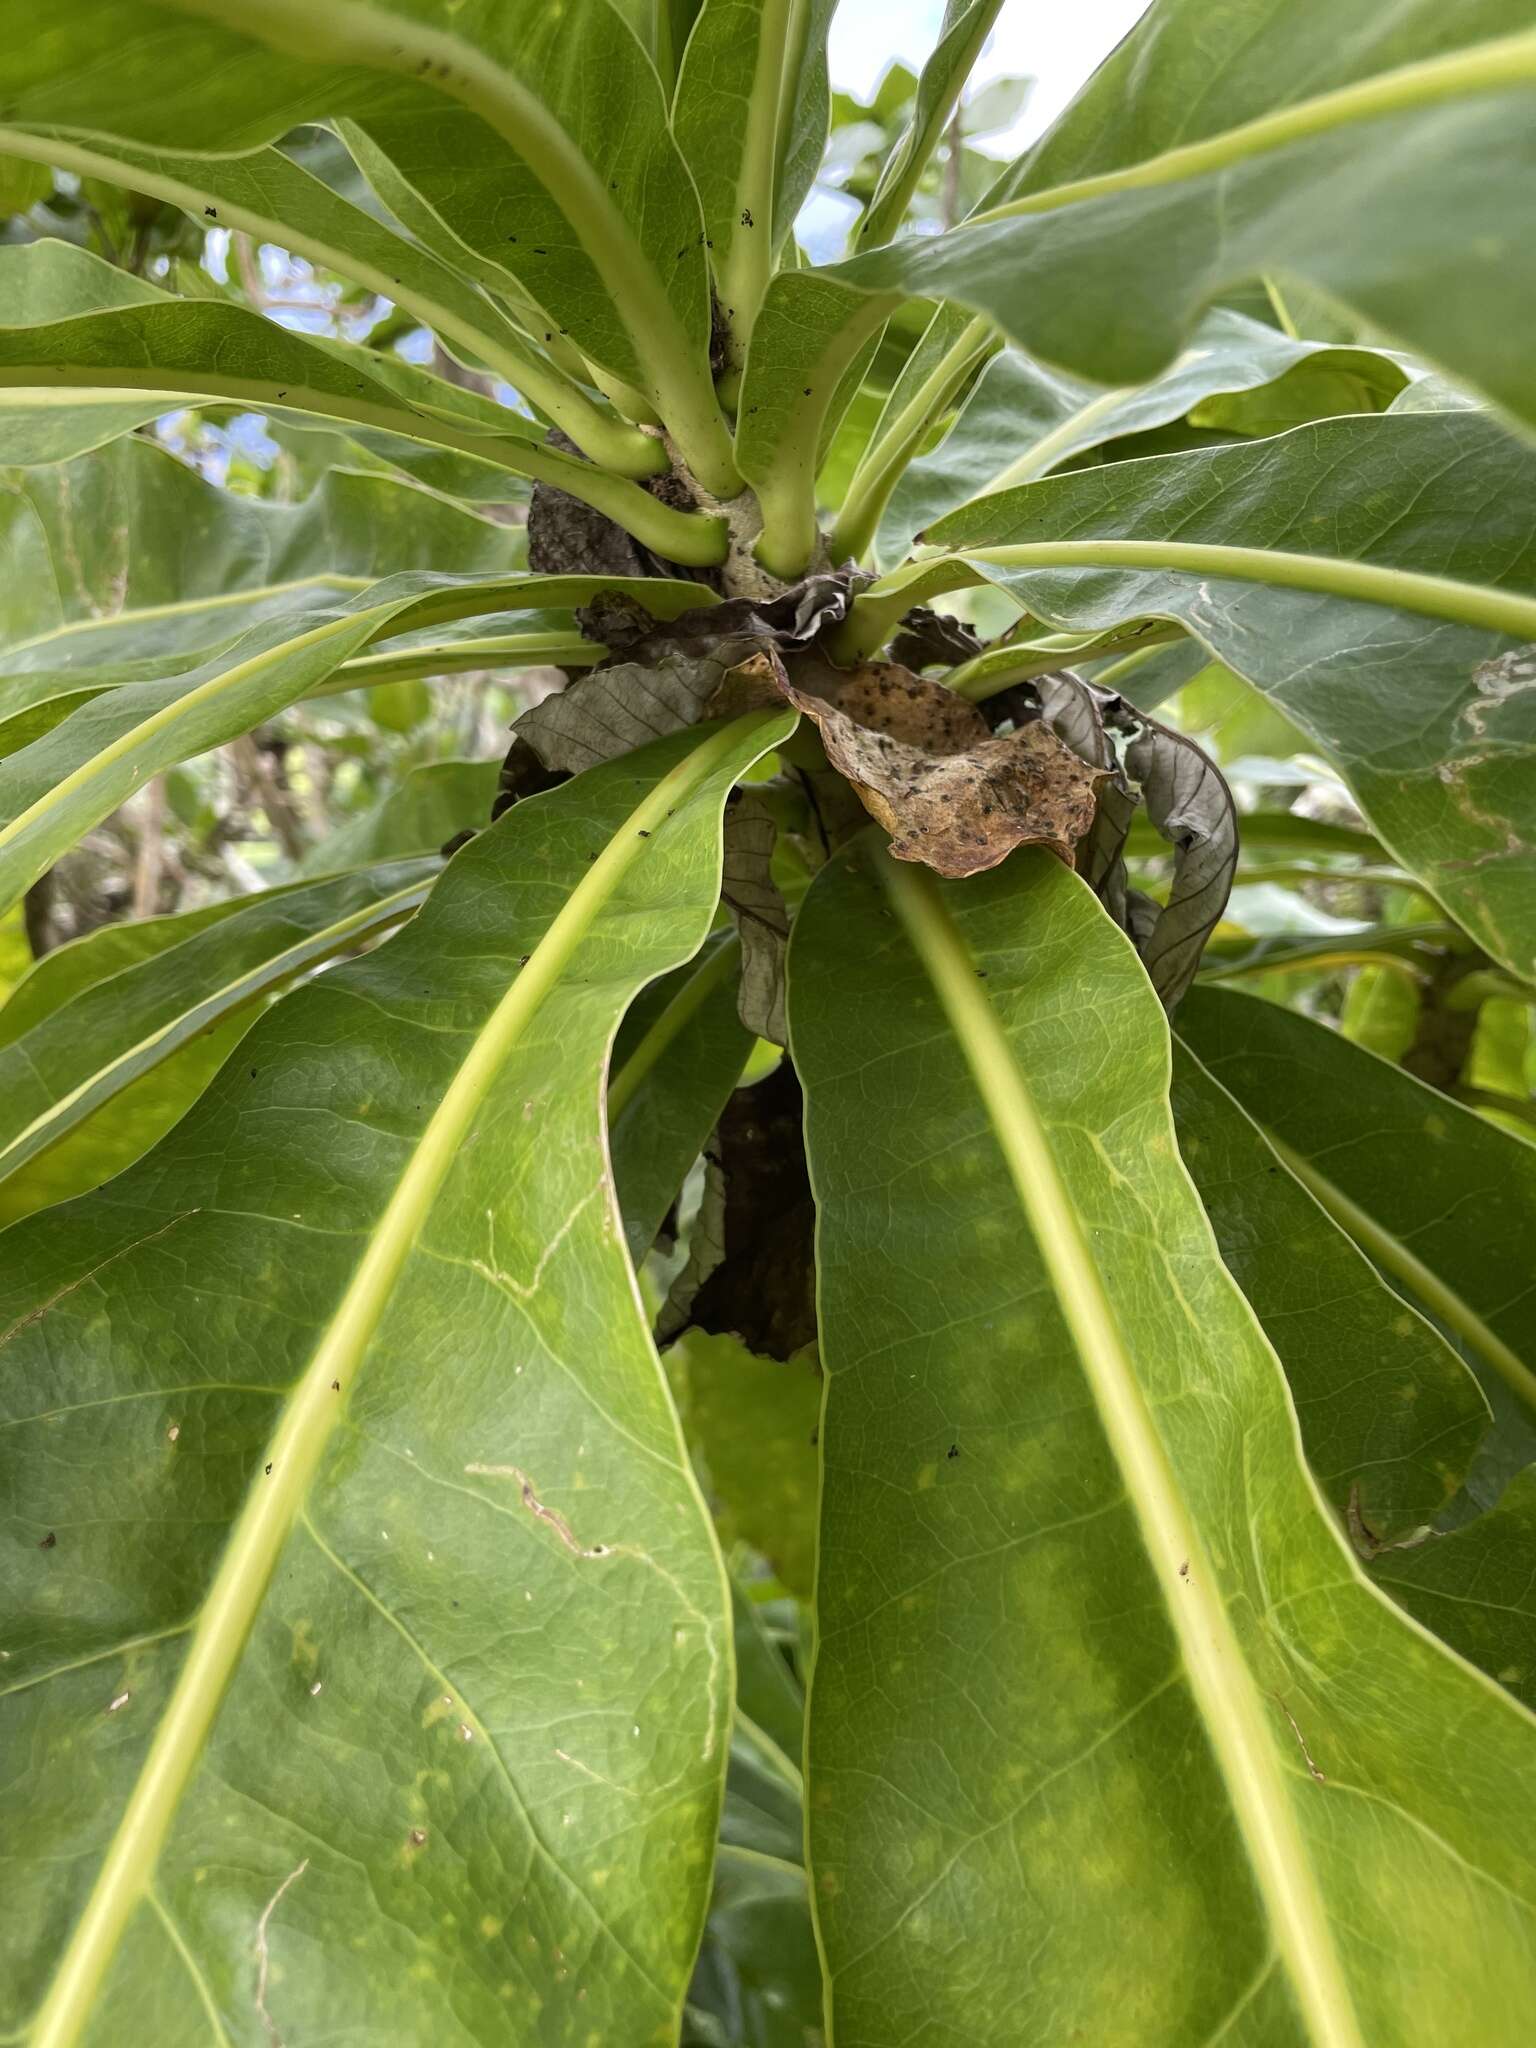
1219,1679
1494,66
1389,1251
314,1406
1458,603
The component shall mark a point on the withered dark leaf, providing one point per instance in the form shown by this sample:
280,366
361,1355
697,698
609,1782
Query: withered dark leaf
1189,802
762,917
750,1270
926,765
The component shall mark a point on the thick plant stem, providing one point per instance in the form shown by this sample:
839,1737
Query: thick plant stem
351,32
894,446
749,261
786,485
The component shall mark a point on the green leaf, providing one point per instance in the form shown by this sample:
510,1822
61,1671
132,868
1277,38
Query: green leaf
1473,1587
126,564
1025,418
963,31
1426,122
269,196
69,377
58,787
1441,1199
431,804
22,184
1372,577
758,1984
1108,1735
752,1421
727,119
678,1057
86,1039
500,117
804,109
348,1427
1390,1416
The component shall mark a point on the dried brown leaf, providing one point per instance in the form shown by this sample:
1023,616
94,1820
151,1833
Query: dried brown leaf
926,766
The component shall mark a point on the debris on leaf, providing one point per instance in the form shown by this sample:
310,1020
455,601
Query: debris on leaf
749,1272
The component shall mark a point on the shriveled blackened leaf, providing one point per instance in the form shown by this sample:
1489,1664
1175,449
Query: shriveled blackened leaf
926,765
750,1272
928,637
1073,710
671,671
1189,802
761,914
613,710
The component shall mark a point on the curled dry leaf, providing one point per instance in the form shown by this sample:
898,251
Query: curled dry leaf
927,767
1189,802
665,680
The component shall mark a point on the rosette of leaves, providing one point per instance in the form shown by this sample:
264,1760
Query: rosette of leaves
982,1039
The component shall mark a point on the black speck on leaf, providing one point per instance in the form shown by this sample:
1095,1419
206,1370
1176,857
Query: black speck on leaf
48,1541
953,1451
807,391
269,1468
212,212
335,1386
541,252
746,217
523,959
643,833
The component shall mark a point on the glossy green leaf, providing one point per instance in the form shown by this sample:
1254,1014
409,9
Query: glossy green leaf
63,783
1390,1416
499,115
83,1028
1108,1734
126,563
727,118
804,108
1374,578
349,1425
1245,128
431,804
1440,1198
1024,419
